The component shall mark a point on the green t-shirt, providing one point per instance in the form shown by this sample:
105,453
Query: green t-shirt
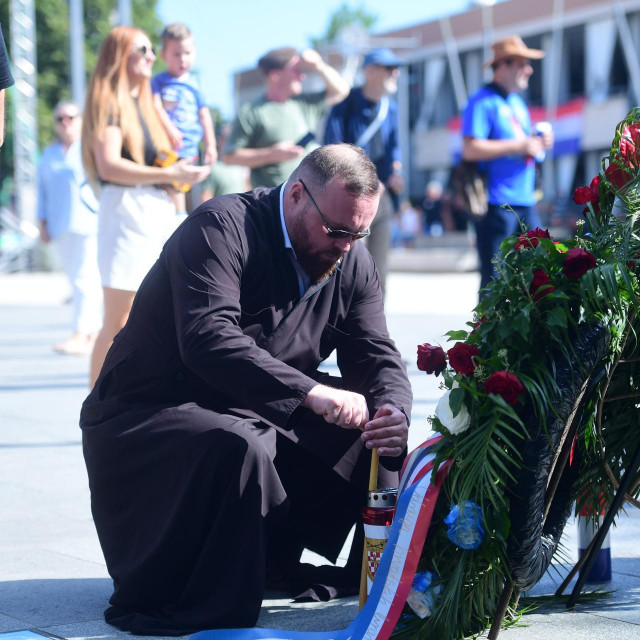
263,122
227,178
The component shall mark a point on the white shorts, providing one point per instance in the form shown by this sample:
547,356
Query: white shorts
133,225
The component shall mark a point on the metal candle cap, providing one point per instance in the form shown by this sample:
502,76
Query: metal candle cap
382,498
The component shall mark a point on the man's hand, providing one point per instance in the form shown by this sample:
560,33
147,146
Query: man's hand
387,432
548,139
283,151
336,406
310,60
531,146
337,88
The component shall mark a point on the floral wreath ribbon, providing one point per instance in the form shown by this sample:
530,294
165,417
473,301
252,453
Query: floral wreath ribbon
418,493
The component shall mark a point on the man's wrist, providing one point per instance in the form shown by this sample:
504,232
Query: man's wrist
321,67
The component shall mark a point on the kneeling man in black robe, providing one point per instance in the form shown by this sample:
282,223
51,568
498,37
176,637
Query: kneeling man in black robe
216,450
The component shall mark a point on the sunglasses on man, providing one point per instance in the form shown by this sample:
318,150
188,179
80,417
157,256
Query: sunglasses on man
335,233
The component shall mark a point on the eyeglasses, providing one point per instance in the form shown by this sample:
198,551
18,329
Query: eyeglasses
335,233
66,116
389,68
143,50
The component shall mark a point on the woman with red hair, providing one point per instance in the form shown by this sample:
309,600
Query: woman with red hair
121,138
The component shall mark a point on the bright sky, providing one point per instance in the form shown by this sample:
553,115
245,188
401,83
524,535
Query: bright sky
231,35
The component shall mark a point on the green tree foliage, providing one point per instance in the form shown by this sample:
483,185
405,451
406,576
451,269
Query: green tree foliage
343,16
53,51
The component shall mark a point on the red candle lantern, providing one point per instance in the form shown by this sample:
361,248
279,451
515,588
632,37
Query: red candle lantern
377,517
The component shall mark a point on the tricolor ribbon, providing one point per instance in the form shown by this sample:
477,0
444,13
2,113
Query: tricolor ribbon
377,619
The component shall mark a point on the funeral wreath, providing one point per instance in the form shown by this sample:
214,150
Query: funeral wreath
556,327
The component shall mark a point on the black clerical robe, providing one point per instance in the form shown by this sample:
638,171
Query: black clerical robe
199,454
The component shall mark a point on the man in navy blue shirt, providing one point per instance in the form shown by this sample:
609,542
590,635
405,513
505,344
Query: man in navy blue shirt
368,118
6,80
497,134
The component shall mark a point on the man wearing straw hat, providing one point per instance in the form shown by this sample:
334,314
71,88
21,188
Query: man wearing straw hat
497,134
216,450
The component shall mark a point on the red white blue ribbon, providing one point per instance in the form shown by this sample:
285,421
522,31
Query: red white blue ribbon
378,618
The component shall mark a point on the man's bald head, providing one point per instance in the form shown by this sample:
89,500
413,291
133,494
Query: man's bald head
347,163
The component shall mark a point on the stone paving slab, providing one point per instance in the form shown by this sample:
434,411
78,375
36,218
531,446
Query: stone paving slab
308,616
54,600
96,629
9,623
24,635
570,626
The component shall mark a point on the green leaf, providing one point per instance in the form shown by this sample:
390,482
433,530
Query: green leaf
457,335
557,318
521,323
497,454
499,523
455,401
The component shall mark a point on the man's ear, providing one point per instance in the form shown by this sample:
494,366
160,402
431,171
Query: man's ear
296,192
273,75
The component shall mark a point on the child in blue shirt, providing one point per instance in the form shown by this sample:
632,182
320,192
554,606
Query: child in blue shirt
179,102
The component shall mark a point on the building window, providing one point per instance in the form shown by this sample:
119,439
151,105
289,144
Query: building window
445,106
415,73
619,78
534,96
474,73
573,63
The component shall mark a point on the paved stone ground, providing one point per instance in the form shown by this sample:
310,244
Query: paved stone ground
52,574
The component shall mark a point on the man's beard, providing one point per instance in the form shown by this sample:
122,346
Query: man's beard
391,86
317,271
318,266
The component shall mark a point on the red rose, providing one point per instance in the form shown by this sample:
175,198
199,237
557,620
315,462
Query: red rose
461,357
504,384
582,195
530,239
577,262
431,359
585,195
540,279
625,159
617,176
629,144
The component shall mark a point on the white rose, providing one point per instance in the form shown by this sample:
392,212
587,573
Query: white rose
455,425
